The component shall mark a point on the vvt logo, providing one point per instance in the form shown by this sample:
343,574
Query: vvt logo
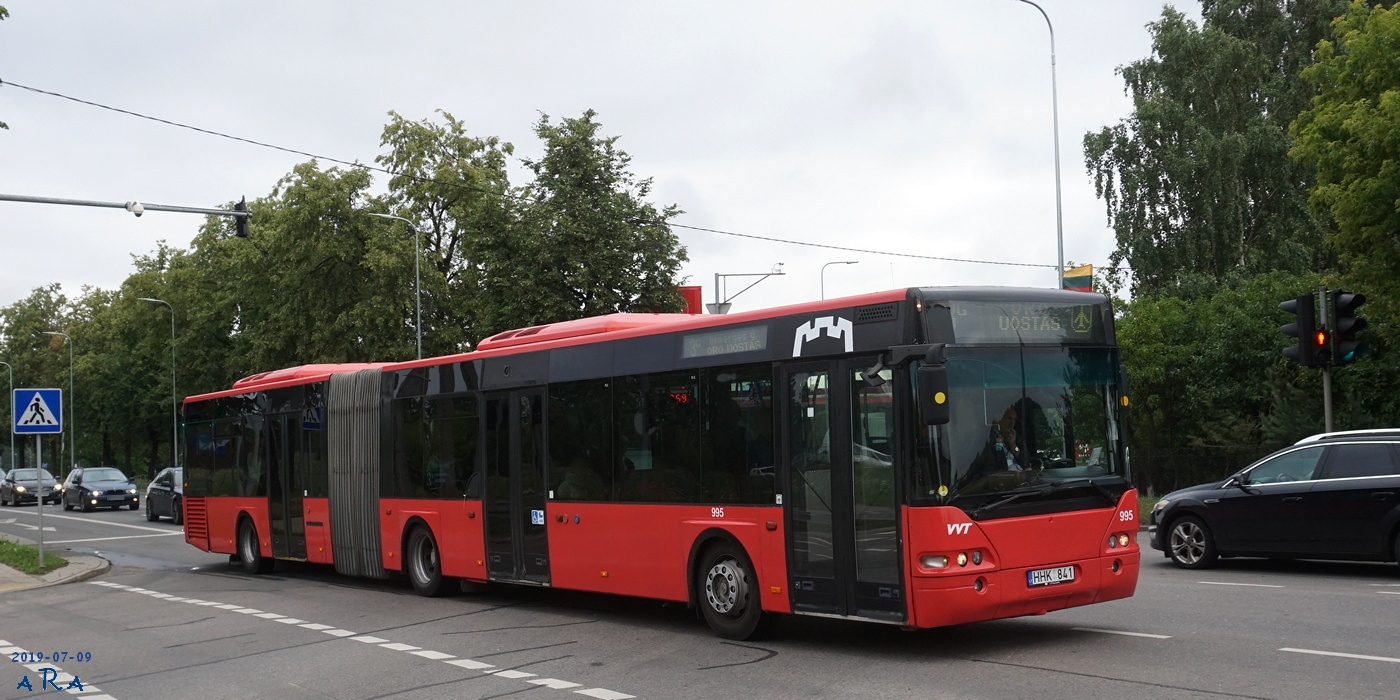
959,528
835,327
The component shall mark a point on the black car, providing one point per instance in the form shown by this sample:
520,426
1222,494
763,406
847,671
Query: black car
22,486
164,494
1330,496
99,487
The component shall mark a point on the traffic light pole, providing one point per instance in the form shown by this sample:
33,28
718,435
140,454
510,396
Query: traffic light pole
1327,398
1324,298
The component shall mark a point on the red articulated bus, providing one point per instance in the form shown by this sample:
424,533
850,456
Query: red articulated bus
919,457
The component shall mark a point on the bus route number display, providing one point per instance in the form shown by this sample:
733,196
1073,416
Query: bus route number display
1021,322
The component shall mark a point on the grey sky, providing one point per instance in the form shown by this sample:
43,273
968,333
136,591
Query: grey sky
910,126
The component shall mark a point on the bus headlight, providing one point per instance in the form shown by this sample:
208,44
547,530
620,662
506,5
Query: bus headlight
934,561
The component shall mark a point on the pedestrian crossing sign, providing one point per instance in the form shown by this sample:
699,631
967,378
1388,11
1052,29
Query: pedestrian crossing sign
38,411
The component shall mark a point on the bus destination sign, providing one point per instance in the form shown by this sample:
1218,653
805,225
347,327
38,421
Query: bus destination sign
1026,322
725,342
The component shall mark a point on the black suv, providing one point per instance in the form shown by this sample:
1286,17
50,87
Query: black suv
1329,496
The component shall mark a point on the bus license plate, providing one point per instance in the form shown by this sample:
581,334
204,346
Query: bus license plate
1050,577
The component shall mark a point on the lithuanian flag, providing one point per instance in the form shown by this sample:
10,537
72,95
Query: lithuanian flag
1080,279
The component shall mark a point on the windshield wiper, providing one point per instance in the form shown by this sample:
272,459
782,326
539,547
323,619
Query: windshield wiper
1045,490
981,510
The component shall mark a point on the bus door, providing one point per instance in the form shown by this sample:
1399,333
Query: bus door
285,515
842,505
517,548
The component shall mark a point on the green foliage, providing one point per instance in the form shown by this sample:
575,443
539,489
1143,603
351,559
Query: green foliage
585,242
1352,136
1198,185
26,558
319,281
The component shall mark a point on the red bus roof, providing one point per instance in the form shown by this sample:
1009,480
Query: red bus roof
562,334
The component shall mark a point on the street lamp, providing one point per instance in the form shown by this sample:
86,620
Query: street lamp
72,409
721,305
417,278
174,403
12,418
834,262
1055,116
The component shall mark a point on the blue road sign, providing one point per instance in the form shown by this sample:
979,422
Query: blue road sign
38,411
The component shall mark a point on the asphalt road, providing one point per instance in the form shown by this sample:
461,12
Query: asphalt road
171,622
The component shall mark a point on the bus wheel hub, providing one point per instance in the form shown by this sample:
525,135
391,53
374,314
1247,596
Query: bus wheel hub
725,586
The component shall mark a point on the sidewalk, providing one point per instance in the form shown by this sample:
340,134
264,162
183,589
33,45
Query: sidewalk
80,568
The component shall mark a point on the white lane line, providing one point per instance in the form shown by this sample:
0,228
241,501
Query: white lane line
104,523
1251,585
1125,634
216,603
1363,657
1389,592
604,694
105,539
469,664
555,683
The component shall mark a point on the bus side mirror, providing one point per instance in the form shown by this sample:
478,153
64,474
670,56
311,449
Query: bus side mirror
933,394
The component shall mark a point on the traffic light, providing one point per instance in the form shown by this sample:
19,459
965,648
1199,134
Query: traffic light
1345,326
1304,329
240,223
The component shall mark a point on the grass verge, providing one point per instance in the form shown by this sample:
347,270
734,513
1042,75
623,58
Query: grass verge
26,558
1145,504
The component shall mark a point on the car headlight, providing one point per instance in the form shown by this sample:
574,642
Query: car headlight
19,489
131,490
1161,504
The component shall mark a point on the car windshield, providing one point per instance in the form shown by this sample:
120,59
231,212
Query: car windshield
103,474
29,474
1025,417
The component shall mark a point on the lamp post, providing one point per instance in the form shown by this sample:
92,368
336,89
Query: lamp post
12,419
72,409
834,262
174,402
417,278
721,305
1055,116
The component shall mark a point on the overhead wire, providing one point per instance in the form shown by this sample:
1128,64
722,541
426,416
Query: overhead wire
508,195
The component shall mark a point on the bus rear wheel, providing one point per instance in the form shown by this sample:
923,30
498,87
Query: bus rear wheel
727,590
249,554
423,564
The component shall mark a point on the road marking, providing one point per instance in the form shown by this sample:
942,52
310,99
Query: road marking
104,539
604,694
469,664
1389,592
1125,634
434,655
1363,657
105,523
555,683
1252,585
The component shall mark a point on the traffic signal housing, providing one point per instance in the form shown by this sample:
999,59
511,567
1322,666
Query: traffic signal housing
1305,329
240,223
1345,326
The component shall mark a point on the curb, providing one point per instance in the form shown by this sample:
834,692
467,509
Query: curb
80,568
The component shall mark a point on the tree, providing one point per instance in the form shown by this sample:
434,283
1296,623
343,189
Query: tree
1351,135
585,242
1197,181
455,187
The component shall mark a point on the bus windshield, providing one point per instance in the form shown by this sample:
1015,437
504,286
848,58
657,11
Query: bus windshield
1029,417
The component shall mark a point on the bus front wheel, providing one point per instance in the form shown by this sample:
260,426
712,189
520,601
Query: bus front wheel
249,554
727,590
424,564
